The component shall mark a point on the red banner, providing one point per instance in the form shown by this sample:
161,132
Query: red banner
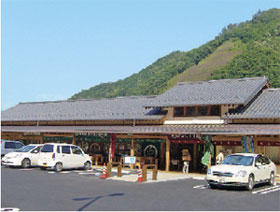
186,141
268,143
227,143
113,145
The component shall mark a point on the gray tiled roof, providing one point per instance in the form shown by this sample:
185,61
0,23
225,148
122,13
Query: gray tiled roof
213,92
122,108
267,105
228,129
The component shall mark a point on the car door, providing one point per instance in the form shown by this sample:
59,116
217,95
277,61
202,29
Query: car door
34,156
259,169
66,157
267,169
78,156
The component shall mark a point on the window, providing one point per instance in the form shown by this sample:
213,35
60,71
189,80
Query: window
10,145
259,159
76,150
215,110
25,149
202,111
178,111
47,148
66,150
19,145
190,111
36,150
238,160
266,161
58,149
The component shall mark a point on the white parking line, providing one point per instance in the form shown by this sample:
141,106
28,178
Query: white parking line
88,173
25,169
198,178
65,172
266,190
273,190
201,187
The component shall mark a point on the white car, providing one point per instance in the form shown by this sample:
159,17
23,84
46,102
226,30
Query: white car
63,156
25,157
242,169
10,146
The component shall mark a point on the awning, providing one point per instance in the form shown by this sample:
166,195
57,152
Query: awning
224,129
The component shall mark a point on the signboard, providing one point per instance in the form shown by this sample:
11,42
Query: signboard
129,160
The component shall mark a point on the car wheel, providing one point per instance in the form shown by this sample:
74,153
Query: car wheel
251,183
87,166
25,163
58,167
271,179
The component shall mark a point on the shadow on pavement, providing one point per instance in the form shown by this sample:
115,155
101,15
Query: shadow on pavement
91,200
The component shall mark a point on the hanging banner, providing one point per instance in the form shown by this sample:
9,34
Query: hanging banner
206,159
113,145
248,144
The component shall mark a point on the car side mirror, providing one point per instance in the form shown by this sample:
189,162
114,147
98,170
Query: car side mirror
35,151
258,164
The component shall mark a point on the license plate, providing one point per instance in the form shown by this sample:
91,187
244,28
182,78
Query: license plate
44,164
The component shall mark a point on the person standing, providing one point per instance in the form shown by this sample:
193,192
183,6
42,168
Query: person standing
186,157
220,157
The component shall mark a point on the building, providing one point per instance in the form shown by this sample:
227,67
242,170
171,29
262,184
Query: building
230,113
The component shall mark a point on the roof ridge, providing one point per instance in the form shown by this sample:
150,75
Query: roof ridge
272,89
92,99
218,80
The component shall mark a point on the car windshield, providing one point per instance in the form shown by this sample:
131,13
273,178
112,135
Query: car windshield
240,160
47,148
25,149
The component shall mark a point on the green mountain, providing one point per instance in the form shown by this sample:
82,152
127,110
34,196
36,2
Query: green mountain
248,49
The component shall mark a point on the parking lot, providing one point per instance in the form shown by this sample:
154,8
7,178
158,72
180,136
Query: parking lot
78,190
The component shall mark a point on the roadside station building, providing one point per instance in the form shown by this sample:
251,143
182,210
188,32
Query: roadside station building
156,129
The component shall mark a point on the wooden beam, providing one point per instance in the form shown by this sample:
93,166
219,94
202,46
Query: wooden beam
142,136
167,155
59,135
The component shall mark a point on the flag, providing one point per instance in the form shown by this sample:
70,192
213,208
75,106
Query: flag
205,159
244,144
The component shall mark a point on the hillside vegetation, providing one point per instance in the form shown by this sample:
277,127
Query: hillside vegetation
248,49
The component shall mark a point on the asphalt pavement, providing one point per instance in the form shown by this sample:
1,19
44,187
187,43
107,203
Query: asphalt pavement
37,190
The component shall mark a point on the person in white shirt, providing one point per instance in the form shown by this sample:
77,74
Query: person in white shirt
220,157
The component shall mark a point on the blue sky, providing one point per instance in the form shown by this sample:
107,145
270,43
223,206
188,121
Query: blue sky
52,49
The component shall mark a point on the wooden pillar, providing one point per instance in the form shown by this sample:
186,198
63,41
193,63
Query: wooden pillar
194,156
167,155
74,140
42,139
162,151
255,144
132,151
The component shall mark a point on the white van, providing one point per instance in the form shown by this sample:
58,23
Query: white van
9,146
63,156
